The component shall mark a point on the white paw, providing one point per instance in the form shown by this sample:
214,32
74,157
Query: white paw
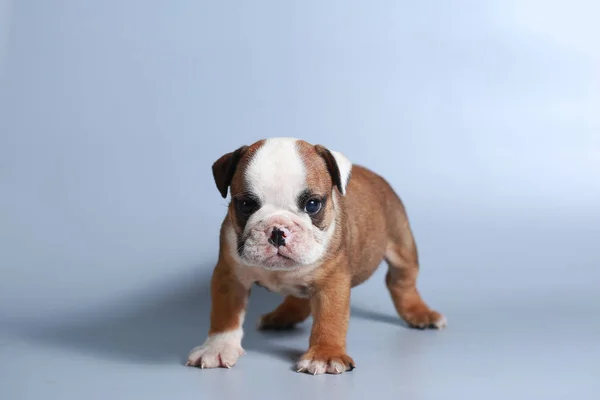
441,323
220,350
329,365
312,367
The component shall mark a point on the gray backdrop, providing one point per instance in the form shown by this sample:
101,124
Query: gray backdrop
483,115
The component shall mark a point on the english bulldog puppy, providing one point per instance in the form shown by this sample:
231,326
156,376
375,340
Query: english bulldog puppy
306,223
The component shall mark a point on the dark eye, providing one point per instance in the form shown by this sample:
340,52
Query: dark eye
313,206
247,206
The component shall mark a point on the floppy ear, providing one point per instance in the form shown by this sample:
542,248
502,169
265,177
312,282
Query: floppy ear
340,168
224,168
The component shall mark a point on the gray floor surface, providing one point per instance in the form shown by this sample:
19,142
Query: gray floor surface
521,299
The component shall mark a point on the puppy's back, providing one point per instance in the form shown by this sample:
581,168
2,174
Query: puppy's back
373,215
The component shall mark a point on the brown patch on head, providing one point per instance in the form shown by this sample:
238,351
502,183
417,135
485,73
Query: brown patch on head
224,168
238,184
332,166
319,183
228,172
239,192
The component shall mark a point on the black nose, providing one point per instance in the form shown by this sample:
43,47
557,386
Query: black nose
277,238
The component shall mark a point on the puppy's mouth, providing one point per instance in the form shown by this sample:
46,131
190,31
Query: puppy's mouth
282,250
282,256
279,260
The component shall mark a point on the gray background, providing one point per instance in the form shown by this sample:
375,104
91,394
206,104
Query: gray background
483,115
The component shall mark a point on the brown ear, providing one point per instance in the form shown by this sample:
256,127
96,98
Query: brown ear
340,168
224,168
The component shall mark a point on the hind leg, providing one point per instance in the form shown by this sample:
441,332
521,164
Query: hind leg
401,278
292,311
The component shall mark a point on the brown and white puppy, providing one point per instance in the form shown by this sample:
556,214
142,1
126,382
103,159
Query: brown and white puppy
304,222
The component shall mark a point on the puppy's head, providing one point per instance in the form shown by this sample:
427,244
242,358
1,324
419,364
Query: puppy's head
282,205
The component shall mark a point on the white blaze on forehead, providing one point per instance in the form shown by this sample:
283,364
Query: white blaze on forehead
276,173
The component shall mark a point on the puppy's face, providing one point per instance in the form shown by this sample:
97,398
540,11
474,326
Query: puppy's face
283,195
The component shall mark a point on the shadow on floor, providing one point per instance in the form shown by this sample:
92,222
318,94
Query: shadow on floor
375,316
161,326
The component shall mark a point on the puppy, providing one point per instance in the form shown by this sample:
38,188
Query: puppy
306,223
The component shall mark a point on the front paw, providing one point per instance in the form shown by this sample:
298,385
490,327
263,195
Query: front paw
320,360
220,350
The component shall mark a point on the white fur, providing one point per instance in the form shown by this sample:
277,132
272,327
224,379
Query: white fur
276,174
441,323
218,350
282,282
317,367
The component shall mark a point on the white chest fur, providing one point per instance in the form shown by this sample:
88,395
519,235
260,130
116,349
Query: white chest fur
295,283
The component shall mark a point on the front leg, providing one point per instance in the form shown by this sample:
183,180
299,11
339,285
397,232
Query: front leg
223,346
330,305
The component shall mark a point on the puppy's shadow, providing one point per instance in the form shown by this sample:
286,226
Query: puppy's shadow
159,325
375,316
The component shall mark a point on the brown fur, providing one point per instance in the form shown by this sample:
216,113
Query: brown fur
371,226
292,311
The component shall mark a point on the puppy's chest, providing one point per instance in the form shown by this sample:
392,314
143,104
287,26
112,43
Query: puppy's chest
284,284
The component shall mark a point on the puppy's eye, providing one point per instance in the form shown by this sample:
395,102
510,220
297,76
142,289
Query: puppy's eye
247,206
313,206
